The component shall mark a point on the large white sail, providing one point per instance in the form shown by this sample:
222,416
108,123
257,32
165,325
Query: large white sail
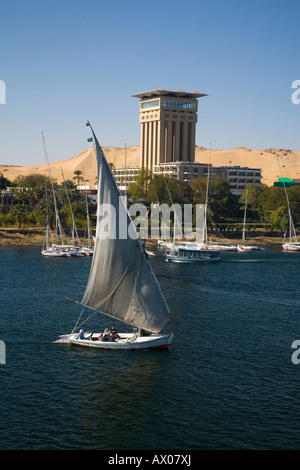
121,283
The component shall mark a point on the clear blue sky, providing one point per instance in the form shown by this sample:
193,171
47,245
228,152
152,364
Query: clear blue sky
64,62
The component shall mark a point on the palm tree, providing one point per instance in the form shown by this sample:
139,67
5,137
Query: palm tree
18,211
78,176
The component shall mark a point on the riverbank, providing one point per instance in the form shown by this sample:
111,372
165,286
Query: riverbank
36,237
26,237
21,237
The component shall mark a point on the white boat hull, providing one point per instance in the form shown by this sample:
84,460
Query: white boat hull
77,253
54,253
127,341
217,247
150,253
87,250
175,259
249,248
291,246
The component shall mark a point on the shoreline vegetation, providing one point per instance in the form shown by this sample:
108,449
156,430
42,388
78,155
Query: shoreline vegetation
13,237
28,205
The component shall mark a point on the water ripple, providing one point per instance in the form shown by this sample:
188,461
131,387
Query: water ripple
227,382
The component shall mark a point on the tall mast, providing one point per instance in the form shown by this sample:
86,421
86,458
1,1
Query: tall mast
206,198
292,232
125,176
87,212
58,224
245,210
47,218
175,214
74,229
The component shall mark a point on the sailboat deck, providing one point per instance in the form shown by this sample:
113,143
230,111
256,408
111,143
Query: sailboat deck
126,341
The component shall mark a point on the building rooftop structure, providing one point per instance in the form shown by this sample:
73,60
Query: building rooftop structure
172,94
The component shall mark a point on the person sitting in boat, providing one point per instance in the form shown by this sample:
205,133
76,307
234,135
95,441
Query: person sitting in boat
114,334
142,332
81,335
106,334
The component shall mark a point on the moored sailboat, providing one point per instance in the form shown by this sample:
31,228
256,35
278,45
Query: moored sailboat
52,250
74,248
245,246
88,249
290,240
121,284
61,249
291,246
203,243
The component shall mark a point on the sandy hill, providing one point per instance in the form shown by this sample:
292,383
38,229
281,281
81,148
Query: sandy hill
267,160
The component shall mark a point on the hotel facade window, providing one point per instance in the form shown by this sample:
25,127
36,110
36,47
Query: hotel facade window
178,104
150,104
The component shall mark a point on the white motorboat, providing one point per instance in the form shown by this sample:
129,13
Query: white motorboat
188,255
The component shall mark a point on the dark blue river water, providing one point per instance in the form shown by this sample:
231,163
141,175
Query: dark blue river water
228,381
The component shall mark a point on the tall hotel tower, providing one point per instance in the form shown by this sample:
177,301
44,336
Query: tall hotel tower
168,126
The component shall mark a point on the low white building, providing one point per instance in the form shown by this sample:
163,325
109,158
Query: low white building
237,177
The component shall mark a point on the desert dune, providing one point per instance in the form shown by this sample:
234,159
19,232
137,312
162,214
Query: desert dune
266,160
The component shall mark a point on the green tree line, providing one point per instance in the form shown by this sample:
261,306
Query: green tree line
266,205
33,200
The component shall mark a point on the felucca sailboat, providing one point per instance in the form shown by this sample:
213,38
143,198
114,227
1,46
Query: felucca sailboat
121,283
